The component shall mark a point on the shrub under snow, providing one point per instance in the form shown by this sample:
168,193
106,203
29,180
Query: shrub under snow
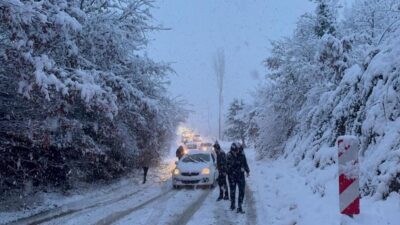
78,102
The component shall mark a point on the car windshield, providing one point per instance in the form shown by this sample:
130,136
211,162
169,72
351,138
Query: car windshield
196,158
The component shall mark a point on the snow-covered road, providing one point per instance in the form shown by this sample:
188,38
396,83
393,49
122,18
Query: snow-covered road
275,195
152,203
95,207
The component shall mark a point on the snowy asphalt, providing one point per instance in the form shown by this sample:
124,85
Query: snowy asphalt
153,203
276,194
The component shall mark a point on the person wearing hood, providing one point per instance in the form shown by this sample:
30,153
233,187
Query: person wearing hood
236,168
221,166
180,152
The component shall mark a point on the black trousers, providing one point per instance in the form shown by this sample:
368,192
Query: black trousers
145,170
237,181
223,187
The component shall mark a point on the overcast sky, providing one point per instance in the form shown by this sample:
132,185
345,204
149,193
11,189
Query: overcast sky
243,28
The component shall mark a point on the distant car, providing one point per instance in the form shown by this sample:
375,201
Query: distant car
206,146
196,168
187,136
191,145
197,138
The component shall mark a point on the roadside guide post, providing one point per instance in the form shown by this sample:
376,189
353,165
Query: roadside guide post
349,194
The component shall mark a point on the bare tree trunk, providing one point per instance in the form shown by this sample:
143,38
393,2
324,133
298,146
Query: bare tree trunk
219,67
220,115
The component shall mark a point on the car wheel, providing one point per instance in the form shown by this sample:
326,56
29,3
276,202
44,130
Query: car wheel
212,185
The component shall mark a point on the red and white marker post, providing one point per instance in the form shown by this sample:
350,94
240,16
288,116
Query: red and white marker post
349,199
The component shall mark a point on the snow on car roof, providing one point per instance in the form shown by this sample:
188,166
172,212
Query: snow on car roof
191,143
197,151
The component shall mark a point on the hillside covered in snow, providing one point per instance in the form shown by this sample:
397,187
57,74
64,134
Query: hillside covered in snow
335,77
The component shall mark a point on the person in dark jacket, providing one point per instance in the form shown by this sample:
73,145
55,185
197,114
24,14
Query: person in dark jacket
221,166
236,168
145,160
145,170
180,152
241,150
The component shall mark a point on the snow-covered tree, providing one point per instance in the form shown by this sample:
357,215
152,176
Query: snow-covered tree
334,57
340,79
326,15
293,71
235,123
78,100
368,19
252,128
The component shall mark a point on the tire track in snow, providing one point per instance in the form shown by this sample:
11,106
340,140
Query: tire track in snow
224,215
114,217
47,216
251,210
157,213
221,214
77,207
191,210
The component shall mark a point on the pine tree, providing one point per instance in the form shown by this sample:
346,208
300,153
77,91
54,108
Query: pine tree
326,18
235,124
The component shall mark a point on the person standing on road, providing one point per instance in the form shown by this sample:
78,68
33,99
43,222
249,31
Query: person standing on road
145,170
146,159
237,167
180,152
221,166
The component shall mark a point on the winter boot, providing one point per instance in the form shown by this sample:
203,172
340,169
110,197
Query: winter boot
240,210
232,206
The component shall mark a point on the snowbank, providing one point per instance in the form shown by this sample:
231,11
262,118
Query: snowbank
284,197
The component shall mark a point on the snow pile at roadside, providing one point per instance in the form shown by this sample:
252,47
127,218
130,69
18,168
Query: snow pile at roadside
284,197
86,197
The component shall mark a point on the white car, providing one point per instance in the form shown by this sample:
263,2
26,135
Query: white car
196,168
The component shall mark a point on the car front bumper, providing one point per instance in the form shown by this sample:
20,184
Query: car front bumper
192,180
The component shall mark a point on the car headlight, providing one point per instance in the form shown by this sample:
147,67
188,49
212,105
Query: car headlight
176,171
205,171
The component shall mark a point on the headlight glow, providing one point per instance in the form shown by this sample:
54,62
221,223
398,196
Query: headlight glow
205,171
176,171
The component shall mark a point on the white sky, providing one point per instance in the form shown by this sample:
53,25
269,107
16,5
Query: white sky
243,28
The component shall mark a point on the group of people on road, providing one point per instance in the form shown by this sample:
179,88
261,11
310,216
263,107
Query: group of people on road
233,166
